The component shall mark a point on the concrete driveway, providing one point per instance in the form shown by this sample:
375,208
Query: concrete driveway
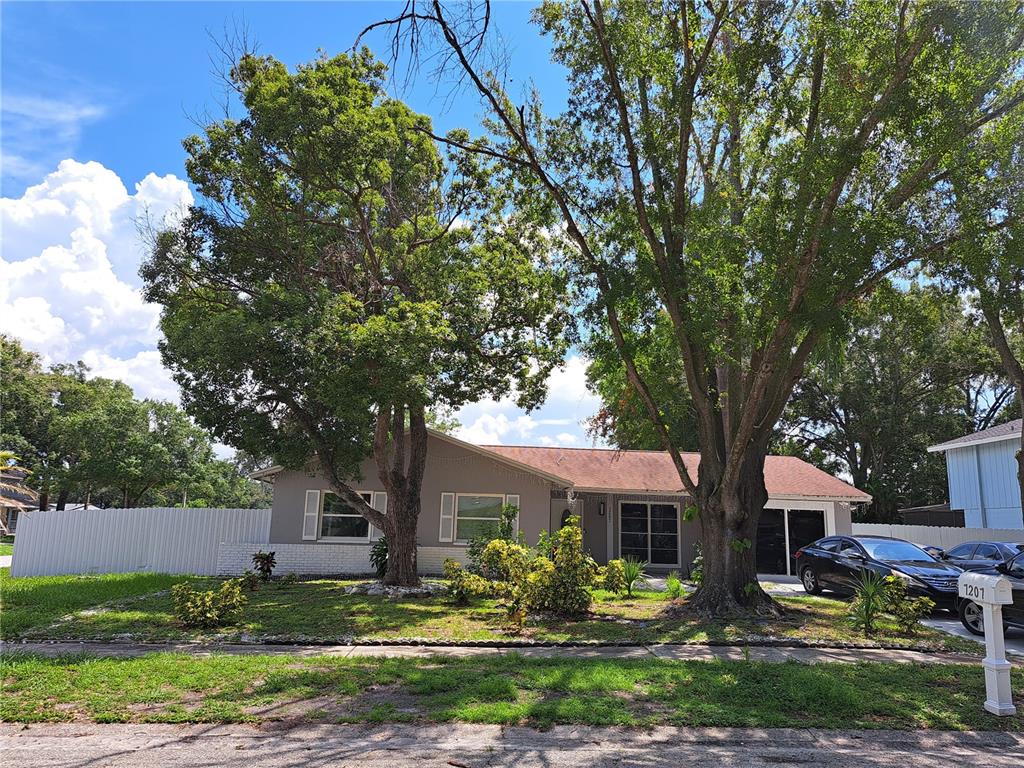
952,626
476,746
5,561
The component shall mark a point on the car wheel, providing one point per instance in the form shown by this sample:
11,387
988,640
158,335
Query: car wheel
972,618
810,580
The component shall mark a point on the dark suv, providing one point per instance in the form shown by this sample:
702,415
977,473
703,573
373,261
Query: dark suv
1013,615
837,563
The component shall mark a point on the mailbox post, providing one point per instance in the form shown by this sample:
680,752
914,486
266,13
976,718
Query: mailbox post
992,593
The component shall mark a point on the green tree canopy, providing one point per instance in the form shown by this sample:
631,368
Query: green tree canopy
743,170
88,439
341,277
902,373
987,189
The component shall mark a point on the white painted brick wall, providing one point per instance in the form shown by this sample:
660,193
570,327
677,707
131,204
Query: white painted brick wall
322,558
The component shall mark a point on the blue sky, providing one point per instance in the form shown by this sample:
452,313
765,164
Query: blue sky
96,98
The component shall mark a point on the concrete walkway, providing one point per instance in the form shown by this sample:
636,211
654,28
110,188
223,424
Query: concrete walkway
5,561
77,745
676,652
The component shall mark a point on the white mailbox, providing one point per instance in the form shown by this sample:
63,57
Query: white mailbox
992,593
982,589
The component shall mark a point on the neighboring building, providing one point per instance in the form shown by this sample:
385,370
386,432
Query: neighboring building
15,497
982,475
631,503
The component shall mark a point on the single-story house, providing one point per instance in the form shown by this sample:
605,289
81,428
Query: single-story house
981,470
631,503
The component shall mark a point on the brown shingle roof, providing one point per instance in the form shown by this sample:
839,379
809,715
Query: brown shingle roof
653,471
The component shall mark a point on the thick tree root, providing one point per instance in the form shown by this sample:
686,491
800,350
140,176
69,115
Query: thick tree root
719,602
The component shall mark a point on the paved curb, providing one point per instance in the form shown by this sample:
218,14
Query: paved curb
676,652
402,642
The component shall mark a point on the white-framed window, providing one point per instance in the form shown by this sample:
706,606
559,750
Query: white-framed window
649,531
476,514
339,521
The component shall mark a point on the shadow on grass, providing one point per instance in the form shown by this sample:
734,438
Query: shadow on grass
509,689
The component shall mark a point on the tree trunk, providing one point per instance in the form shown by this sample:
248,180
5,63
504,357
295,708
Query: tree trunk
62,498
44,500
400,532
1020,452
728,517
401,469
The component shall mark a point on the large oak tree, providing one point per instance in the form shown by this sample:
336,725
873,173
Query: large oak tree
742,170
340,277
987,189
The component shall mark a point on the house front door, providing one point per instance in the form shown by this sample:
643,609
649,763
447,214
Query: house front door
595,528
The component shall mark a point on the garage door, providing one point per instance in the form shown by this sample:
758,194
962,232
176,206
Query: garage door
781,532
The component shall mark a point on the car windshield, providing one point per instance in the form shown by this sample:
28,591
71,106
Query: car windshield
890,549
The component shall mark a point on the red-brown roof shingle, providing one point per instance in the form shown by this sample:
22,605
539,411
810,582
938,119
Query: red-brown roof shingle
653,471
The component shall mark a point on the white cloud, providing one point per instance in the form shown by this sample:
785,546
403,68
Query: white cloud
43,129
560,421
69,285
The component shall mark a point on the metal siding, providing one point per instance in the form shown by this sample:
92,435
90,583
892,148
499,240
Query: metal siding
964,488
165,540
999,488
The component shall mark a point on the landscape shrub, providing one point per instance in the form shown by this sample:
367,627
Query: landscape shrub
562,584
697,566
869,602
634,574
264,563
379,557
207,608
463,584
673,586
503,529
250,581
505,561
613,578
906,611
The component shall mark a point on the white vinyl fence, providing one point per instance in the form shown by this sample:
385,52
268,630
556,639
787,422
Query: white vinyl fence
159,540
939,536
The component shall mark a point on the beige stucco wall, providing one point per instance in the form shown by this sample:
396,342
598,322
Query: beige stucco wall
450,469
595,525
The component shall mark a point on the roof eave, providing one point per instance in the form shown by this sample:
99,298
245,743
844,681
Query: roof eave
943,447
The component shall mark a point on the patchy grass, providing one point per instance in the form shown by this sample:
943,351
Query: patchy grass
6,545
36,602
508,689
319,611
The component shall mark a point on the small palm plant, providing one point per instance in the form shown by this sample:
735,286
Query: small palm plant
634,573
868,602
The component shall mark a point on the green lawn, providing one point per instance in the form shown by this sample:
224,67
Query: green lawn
6,545
36,602
509,689
138,606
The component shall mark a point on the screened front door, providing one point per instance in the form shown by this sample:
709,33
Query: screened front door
649,531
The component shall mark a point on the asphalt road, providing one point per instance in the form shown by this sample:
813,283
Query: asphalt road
476,746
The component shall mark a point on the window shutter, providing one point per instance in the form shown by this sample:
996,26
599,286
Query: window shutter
380,503
447,532
513,499
311,516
